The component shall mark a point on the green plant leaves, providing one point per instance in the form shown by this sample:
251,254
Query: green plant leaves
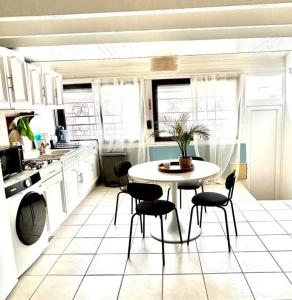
181,131
24,128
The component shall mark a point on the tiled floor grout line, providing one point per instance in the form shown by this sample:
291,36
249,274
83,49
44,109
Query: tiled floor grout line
186,202
204,280
232,251
123,276
60,255
97,247
259,237
272,251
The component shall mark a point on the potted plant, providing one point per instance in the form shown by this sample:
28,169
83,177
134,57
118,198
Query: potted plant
182,132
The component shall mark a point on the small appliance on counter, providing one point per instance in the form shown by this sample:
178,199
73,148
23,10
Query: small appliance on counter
62,135
11,160
63,140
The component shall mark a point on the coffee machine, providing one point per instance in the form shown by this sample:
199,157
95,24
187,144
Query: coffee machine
62,135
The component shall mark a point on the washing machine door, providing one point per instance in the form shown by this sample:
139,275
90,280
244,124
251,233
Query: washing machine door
31,218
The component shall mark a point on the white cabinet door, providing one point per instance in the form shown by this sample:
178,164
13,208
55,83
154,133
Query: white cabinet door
71,182
4,100
36,84
59,90
94,168
85,176
264,151
49,88
18,83
54,194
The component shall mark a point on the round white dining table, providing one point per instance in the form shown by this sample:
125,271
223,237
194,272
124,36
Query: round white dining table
149,172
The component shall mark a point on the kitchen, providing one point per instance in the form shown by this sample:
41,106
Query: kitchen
63,66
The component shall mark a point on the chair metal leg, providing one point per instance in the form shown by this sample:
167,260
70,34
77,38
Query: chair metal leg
190,224
144,224
167,197
131,205
178,225
202,187
198,219
196,193
162,240
201,216
180,198
140,217
130,237
233,215
205,209
117,205
227,229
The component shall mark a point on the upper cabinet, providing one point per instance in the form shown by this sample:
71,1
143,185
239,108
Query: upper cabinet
49,88
53,85
18,83
59,89
25,85
4,100
36,84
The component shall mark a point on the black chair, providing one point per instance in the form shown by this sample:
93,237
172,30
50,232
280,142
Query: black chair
215,200
188,185
121,171
149,205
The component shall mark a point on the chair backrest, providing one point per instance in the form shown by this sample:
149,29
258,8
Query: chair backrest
197,158
145,191
229,184
121,171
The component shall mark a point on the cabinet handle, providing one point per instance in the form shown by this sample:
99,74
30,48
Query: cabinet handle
10,82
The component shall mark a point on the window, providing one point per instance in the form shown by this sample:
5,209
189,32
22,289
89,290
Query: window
170,98
110,113
216,107
120,111
81,112
210,100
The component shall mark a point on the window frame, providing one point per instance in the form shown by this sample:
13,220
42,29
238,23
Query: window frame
155,84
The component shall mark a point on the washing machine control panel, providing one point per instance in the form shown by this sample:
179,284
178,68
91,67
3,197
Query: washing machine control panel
22,184
27,183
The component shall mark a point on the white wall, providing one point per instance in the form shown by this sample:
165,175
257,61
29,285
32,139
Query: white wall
287,151
44,122
3,130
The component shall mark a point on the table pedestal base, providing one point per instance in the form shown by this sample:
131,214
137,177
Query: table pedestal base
170,230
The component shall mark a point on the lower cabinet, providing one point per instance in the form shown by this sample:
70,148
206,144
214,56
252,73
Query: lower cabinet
54,194
72,180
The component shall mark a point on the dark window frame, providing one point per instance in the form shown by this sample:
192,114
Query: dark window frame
155,84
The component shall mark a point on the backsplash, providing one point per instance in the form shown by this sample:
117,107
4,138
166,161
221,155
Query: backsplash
44,122
3,129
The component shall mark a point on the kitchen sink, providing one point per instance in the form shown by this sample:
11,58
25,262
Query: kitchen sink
60,152
55,154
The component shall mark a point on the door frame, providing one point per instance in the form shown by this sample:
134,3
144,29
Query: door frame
279,144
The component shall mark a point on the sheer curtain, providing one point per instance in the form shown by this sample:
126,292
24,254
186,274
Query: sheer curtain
218,101
122,117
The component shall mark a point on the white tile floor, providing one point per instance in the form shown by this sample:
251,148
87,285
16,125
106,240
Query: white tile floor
87,258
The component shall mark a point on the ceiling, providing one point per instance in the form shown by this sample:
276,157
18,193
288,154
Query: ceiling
86,29
152,49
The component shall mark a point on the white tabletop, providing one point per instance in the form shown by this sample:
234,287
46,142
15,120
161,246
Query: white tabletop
149,171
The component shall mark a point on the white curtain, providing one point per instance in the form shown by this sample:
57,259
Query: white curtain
122,117
218,101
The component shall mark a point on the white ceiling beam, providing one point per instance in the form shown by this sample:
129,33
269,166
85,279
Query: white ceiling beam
149,36
16,8
167,21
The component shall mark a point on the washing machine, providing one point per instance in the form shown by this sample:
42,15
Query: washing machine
28,217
